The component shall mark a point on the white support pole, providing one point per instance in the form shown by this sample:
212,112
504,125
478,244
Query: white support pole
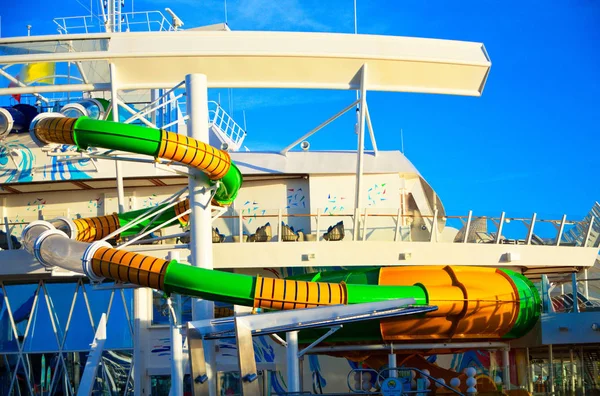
550,369
530,230
88,379
318,225
115,118
573,369
361,148
392,364
142,300
468,226
561,229
176,339
506,368
371,131
279,225
293,366
586,286
500,226
574,292
530,372
399,219
201,254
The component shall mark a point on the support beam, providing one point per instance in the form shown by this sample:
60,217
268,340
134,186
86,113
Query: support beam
176,339
293,367
360,152
115,118
88,380
20,84
247,361
392,364
506,368
573,370
318,128
530,371
197,362
550,369
10,189
371,131
201,253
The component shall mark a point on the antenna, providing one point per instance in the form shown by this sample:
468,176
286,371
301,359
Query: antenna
402,140
225,4
355,20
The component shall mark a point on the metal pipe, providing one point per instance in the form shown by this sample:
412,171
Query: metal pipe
21,84
550,369
574,292
530,373
176,342
397,231
468,226
361,148
140,236
201,253
561,229
115,118
530,230
371,131
586,286
8,236
588,231
573,367
392,364
293,367
500,226
428,346
318,128
506,368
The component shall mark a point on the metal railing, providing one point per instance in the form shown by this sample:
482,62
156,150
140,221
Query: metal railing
402,373
139,21
230,129
378,226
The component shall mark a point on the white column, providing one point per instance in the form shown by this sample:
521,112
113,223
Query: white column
142,300
573,370
392,363
176,340
530,372
550,369
360,150
115,118
506,368
201,254
293,367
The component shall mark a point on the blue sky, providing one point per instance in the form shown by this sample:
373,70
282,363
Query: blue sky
528,144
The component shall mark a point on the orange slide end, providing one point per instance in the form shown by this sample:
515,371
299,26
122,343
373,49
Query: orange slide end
130,267
473,303
191,152
95,228
273,293
56,130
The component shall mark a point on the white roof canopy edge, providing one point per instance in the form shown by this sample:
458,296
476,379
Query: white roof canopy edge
277,60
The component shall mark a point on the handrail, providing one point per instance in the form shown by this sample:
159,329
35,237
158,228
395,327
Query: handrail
428,376
95,24
398,218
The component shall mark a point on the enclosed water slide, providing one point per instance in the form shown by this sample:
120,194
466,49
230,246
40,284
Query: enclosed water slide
472,303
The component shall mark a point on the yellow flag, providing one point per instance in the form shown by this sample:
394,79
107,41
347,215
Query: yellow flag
36,72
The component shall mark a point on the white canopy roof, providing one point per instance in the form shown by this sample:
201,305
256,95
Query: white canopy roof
270,59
